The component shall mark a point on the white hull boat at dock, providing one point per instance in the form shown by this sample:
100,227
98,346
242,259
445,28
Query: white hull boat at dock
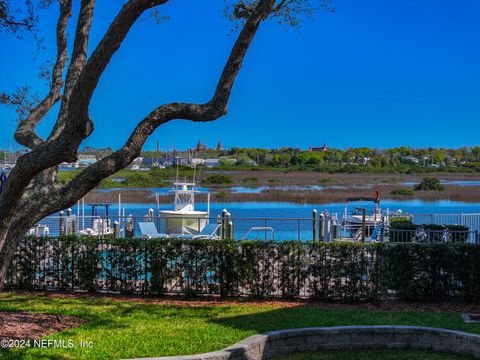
184,219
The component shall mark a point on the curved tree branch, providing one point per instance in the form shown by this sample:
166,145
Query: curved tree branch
64,147
281,4
242,11
212,110
42,199
80,46
9,20
25,133
79,58
78,125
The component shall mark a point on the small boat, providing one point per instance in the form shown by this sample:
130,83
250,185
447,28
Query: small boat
184,219
101,225
39,230
351,225
7,166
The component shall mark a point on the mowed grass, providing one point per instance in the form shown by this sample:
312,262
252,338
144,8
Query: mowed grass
126,328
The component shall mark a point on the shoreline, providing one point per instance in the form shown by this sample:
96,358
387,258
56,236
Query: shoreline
334,188
467,194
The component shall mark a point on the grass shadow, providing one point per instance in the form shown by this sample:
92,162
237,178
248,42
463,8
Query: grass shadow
317,316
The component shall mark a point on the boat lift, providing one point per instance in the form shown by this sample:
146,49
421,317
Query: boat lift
360,218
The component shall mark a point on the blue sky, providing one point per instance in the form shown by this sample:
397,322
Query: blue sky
376,73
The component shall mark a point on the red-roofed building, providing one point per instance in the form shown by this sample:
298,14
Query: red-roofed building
319,149
200,146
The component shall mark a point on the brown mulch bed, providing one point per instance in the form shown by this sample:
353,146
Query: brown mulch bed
24,325
387,304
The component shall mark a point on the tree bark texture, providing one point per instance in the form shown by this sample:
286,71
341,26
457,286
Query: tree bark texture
31,191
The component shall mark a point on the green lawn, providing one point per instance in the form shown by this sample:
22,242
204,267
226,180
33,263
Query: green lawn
374,355
121,329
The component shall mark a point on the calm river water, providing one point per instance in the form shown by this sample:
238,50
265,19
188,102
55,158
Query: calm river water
292,221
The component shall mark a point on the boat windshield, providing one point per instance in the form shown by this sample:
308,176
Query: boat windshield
184,196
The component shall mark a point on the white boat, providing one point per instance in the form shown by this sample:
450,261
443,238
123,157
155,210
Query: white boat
184,219
39,230
7,166
100,227
374,223
351,224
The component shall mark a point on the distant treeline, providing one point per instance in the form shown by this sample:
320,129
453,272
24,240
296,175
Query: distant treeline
395,160
401,159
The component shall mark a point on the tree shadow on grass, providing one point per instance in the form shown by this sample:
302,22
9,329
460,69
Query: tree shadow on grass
97,313
308,316
105,316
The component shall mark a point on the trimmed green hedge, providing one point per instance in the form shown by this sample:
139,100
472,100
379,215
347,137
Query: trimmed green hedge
291,269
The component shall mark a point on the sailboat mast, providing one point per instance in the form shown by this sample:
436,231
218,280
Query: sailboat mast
176,177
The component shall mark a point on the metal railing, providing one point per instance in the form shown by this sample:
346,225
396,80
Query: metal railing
260,228
472,221
284,228
432,236
300,229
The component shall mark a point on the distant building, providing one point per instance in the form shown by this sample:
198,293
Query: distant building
88,149
319,149
136,164
219,146
86,160
195,162
200,146
226,159
153,162
182,161
91,150
211,162
410,160
363,160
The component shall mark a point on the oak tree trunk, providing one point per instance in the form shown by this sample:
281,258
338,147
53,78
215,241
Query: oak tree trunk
31,191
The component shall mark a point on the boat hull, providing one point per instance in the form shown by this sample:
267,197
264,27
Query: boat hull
184,223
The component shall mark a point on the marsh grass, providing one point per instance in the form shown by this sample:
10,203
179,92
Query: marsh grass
469,194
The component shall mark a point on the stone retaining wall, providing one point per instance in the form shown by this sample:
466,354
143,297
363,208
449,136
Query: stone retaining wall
270,344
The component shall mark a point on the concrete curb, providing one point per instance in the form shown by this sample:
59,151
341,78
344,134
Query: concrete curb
274,343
